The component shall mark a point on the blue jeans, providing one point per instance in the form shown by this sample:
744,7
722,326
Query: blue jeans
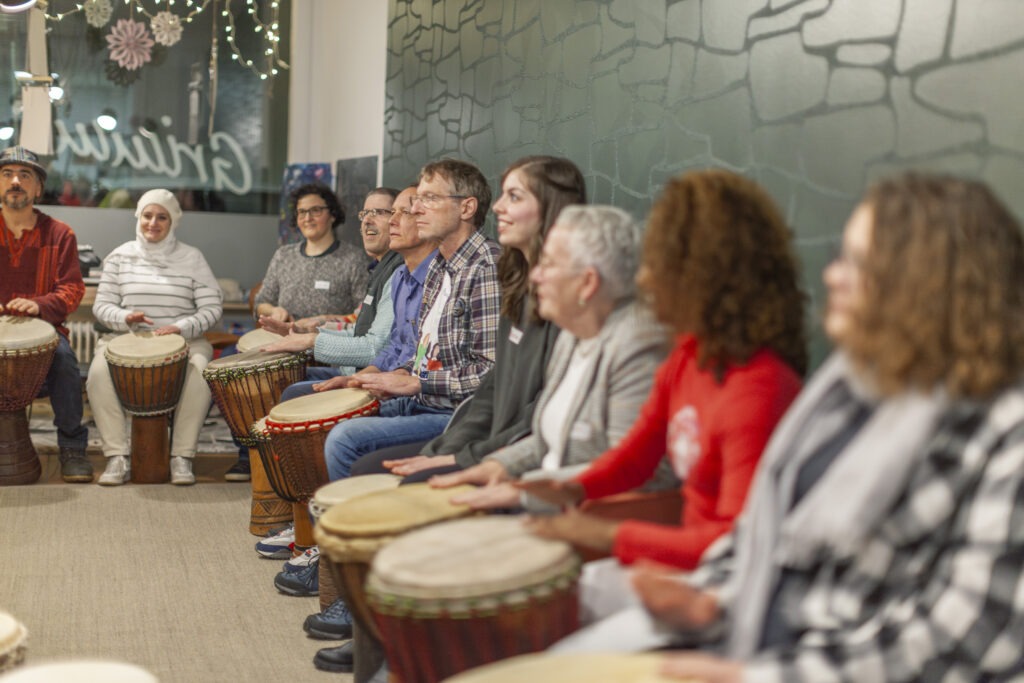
401,420
63,385
314,375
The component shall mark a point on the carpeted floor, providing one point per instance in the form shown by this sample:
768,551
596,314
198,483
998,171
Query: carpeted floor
161,576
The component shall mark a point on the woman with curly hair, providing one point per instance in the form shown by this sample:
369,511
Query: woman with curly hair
718,268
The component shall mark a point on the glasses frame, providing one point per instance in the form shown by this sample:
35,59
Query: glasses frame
375,212
432,201
312,212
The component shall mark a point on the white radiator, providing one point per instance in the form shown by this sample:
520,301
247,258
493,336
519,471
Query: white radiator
83,340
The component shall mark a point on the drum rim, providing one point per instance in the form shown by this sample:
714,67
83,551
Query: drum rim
111,354
48,334
413,495
269,360
367,484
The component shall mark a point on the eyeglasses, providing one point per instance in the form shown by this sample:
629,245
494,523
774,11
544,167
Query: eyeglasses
432,201
368,213
313,211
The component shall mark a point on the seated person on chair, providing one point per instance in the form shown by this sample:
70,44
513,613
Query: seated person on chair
41,278
157,283
882,539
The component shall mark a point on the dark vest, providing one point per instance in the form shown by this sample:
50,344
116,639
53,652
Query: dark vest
379,276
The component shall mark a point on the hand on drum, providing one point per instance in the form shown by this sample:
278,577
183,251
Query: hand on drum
494,497
281,327
293,342
166,329
277,313
388,384
418,463
486,473
136,317
575,527
666,595
340,382
20,307
307,325
554,491
698,666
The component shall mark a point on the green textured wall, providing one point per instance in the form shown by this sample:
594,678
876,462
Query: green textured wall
814,98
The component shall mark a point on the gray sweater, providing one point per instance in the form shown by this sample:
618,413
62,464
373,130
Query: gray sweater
331,282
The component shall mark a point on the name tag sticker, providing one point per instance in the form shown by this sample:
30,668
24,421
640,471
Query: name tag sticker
322,284
368,301
515,335
581,431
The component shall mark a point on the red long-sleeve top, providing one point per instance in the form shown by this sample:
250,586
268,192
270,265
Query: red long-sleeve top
713,432
42,266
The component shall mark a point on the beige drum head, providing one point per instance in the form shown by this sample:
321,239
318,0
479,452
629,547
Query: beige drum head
84,671
144,349
320,406
17,332
12,641
570,668
254,339
344,490
394,512
469,558
246,359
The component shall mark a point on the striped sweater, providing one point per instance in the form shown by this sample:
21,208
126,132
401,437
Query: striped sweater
167,298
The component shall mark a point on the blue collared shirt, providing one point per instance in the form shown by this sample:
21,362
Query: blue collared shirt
406,295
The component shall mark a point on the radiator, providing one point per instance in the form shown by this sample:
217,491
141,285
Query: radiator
83,340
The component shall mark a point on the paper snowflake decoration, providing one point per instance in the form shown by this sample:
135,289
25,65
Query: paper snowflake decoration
130,44
166,28
97,12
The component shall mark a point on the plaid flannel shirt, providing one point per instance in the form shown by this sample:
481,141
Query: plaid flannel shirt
467,334
937,593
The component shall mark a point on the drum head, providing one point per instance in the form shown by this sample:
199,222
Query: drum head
258,429
12,634
570,668
138,349
345,489
320,406
247,359
17,332
254,339
85,671
469,558
387,513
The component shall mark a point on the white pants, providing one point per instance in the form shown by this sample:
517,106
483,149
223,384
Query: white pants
189,415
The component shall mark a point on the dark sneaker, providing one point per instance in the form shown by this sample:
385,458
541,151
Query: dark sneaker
334,623
300,584
339,659
75,468
238,472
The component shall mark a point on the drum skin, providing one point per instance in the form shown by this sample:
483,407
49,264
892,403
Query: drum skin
589,667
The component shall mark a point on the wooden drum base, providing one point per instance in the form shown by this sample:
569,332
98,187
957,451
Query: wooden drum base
19,463
268,512
303,527
151,450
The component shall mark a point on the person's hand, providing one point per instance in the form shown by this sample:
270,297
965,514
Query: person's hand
274,325
294,342
279,314
554,491
340,382
577,528
311,323
489,497
21,307
671,600
166,329
418,463
487,472
698,666
388,384
136,317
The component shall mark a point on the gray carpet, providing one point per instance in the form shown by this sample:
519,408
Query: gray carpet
164,577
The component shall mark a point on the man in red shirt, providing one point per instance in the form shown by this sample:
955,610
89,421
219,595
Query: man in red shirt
41,278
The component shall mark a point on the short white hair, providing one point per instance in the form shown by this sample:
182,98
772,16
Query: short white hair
607,239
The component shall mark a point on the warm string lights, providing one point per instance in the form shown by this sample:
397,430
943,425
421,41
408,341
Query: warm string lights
270,59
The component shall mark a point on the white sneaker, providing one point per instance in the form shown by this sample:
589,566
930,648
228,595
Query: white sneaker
181,471
119,469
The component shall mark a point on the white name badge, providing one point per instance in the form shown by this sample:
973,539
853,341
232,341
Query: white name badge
515,335
368,301
322,284
581,431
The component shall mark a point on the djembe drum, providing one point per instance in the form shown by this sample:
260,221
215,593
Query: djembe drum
469,592
82,671
338,492
245,387
13,636
350,535
148,372
27,346
254,339
296,431
571,668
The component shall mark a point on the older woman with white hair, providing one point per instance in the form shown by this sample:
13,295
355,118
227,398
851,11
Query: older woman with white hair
603,364
158,283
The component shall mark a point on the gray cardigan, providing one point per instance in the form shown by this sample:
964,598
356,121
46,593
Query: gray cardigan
632,345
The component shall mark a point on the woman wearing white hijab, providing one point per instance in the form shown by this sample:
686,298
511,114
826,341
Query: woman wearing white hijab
157,283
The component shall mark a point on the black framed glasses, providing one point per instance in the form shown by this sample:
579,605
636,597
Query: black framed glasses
313,211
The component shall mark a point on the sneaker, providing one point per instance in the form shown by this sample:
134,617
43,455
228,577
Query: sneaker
181,471
74,467
334,623
339,659
300,562
118,469
303,583
238,472
277,545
